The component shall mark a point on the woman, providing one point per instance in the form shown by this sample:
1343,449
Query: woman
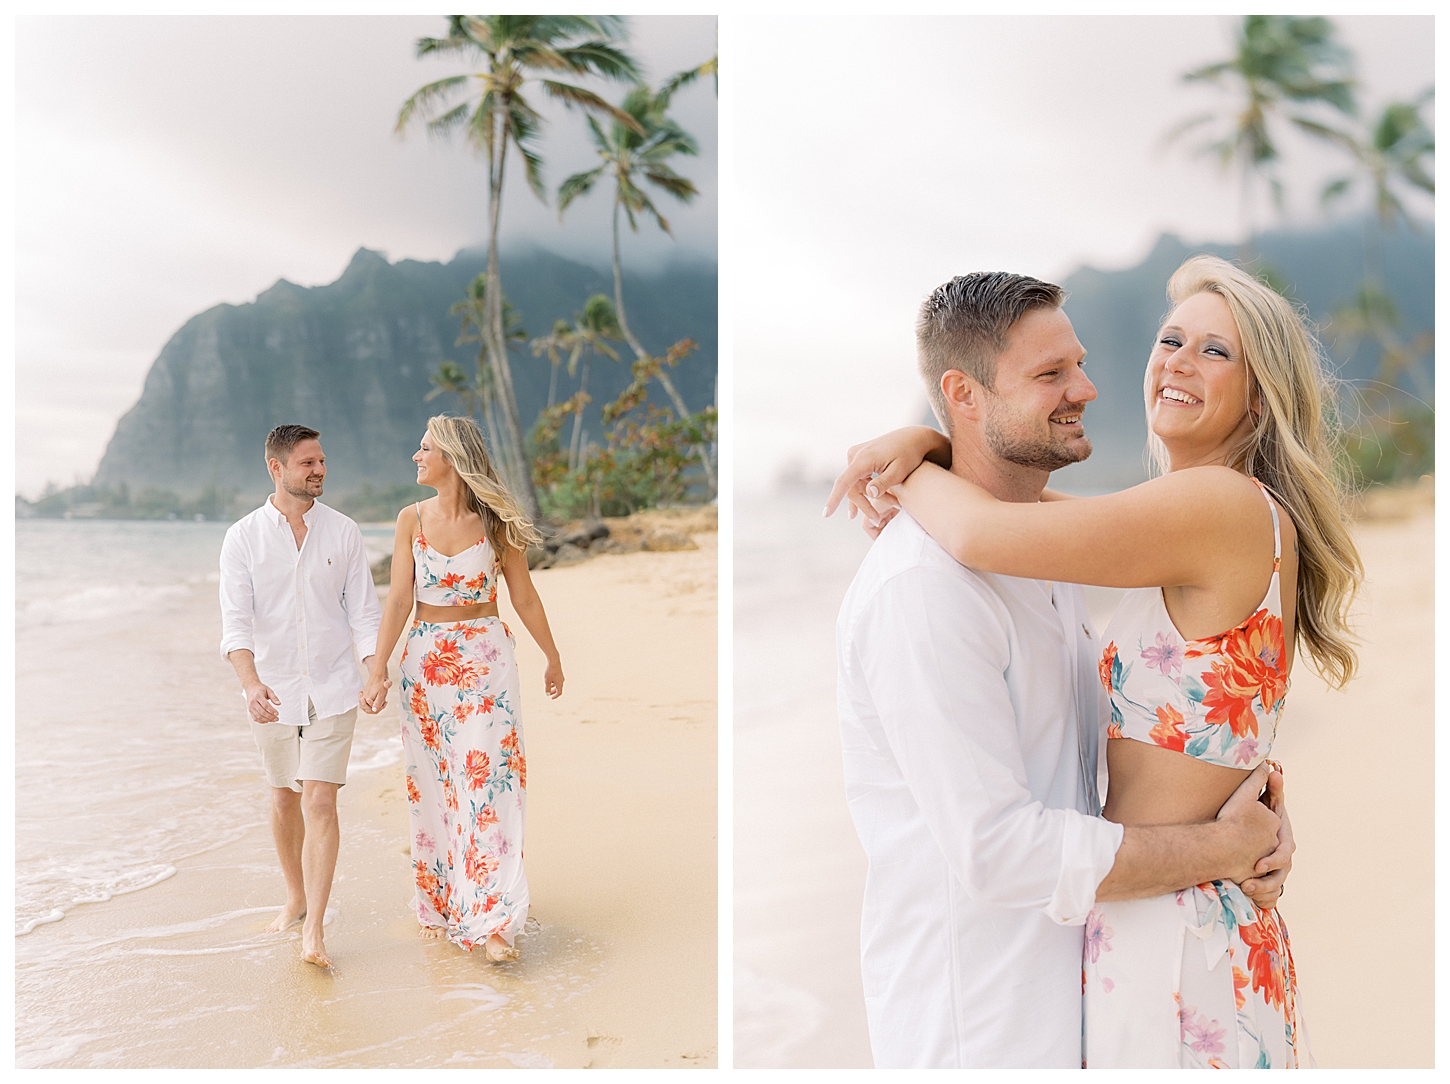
461,744
1235,553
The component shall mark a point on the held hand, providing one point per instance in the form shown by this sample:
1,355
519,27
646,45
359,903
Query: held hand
880,464
553,679
1253,829
259,704
1267,884
374,696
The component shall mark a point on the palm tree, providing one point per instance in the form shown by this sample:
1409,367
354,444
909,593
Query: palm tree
592,328
561,337
515,49
481,391
1392,153
1283,66
635,155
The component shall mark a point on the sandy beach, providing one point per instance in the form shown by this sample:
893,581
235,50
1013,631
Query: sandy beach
1359,767
619,957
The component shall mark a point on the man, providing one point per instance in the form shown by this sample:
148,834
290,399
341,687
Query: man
297,601
970,710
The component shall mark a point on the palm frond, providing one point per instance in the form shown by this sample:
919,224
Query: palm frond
426,98
571,95
578,185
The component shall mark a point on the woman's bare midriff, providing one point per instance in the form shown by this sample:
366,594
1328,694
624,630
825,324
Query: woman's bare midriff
443,614
1148,784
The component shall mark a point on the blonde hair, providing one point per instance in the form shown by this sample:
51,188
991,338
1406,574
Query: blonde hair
1291,450
504,523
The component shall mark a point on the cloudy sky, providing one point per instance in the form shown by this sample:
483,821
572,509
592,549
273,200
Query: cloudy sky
881,158
165,164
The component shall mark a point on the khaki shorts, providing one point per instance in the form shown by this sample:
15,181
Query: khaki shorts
318,750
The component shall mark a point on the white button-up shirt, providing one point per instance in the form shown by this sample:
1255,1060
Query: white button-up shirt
969,707
300,612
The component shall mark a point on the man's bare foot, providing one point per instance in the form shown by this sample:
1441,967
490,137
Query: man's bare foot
290,913
498,950
431,933
313,950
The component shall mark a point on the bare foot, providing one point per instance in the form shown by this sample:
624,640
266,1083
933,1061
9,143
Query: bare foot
313,950
431,933
498,950
289,914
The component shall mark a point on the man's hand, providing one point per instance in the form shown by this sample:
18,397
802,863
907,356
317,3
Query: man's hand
1252,828
1267,885
259,704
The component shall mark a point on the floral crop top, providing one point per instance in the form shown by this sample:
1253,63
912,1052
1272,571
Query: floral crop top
465,579
1217,699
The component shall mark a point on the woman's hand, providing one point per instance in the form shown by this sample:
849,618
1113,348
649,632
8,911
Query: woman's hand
553,678
1271,872
880,464
374,696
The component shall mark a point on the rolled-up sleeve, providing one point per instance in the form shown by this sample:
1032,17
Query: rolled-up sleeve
235,590
360,596
933,653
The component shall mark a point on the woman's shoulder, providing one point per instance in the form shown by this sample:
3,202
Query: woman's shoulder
1220,488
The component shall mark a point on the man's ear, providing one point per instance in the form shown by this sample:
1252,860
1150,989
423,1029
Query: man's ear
963,395
274,468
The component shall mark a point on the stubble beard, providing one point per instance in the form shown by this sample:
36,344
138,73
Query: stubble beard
1037,452
303,491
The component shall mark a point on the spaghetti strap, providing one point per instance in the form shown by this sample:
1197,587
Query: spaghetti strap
1273,511
419,513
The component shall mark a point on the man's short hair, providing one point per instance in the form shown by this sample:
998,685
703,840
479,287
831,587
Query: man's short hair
964,323
284,438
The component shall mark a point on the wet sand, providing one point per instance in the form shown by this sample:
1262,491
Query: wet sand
1359,767
619,957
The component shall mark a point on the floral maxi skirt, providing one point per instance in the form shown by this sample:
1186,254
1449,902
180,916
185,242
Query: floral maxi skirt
1195,979
466,778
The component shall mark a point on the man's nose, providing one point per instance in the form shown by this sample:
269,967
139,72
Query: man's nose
1083,390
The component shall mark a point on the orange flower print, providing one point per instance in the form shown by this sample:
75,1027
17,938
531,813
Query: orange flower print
1252,667
428,731
450,799
1266,957
519,766
418,701
476,584
478,867
453,579
425,880
485,705
486,816
1105,665
1115,730
510,742
413,795
476,769
1241,981
1168,731
442,665
471,676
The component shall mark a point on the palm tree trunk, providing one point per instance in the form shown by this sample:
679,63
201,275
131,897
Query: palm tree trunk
574,463
553,381
522,482
665,382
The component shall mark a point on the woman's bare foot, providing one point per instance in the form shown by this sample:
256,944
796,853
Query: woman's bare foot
290,913
431,933
498,950
313,950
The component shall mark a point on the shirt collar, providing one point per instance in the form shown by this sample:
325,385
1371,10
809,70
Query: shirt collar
277,516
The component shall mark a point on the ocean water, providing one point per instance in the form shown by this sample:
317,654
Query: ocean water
131,748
